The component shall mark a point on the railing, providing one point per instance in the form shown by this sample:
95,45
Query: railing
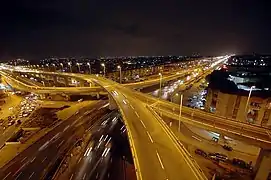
187,157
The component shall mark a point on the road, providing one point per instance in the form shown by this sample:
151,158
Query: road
95,161
35,160
152,144
157,154
256,135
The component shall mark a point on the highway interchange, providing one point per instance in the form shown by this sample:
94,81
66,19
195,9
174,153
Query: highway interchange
150,139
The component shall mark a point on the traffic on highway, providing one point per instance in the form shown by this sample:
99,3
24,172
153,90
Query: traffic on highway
147,133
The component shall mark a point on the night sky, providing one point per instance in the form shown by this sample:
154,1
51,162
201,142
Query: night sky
42,28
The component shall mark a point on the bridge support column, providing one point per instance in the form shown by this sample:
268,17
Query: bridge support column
263,165
66,81
42,96
55,79
98,96
112,103
81,83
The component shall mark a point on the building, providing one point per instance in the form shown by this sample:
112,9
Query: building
233,106
240,91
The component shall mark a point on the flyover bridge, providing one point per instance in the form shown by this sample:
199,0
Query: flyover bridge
156,151
252,134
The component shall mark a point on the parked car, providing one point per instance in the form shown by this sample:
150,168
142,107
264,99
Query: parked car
228,148
242,164
201,152
218,156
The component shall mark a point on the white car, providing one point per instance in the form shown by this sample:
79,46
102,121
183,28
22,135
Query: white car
25,115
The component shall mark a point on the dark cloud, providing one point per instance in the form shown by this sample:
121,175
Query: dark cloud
100,28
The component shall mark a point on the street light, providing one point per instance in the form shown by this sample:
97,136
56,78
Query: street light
180,114
54,66
61,66
104,68
246,110
160,91
119,67
69,63
78,66
89,66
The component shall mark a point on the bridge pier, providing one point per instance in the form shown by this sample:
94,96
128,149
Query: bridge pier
263,165
55,79
66,81
56,97
112,103
81,83
98,96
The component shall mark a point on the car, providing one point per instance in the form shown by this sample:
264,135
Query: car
218,156
25,115
18,121
226,147
201,152
11,123
242,164
80,100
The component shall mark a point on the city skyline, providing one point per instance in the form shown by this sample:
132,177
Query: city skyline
35,30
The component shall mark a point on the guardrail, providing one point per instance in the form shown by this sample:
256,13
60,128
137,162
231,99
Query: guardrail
37,88
214,125
187,156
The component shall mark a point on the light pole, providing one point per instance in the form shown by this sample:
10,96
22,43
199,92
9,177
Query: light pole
78,66
89,66
180,114
119,67
160,89
61,66
54,66
104,68
246,110
69,63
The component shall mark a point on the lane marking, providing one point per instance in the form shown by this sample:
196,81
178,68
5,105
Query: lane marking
160,160
7,175
18,175
143,124
66,128
33,159
136,114
60,144
79,159
150,136
23,159
31,175
84,176
71,177
132,106
19,169
196,138
44,159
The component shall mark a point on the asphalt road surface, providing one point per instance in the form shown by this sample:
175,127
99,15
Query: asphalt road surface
34,162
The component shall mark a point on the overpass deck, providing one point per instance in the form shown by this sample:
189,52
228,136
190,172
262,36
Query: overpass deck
252,134
156,153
